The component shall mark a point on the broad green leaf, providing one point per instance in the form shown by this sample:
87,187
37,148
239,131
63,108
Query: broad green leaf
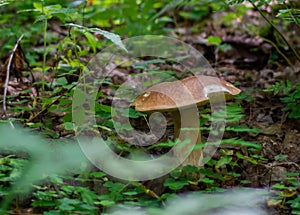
111,36
214,40
175,185
207,180
61,81
98,174
68,126
223,161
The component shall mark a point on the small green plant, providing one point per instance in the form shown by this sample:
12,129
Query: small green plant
290,95
96,194
224,168
55,94
289,14
288,191
65,200
11,169
132,18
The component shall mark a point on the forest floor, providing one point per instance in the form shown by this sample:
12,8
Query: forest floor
250,64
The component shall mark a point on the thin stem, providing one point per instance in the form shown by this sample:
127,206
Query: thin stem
280,52
45,47
82,13
276,29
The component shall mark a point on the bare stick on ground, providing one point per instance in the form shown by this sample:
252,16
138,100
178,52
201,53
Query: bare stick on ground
7,77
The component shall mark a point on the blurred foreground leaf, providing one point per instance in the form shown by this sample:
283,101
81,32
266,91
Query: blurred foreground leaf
45,159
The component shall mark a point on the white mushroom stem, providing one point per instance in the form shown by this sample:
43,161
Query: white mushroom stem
190,131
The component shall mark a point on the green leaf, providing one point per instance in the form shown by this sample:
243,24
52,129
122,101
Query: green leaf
80,97
223,161
61,81
167,7
279,186
104,108
207,181
5,2
87,195
52,212
190,169
66,204
293,174
214,40
240,128
175,185
107,203
38,6
114,187
68,126
295,114
79,116
194,15
280,157
131,193
236,141
34,125
249,159
135,114
170,143
233,2
92,40
111,36
98,174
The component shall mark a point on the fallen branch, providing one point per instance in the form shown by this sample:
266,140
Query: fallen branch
7,78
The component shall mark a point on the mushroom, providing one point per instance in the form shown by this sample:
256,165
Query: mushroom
178,98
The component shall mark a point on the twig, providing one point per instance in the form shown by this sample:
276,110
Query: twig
7,77
82,13
280,52
151,193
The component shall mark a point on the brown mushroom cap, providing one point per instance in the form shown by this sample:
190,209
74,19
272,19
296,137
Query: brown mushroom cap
168,96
